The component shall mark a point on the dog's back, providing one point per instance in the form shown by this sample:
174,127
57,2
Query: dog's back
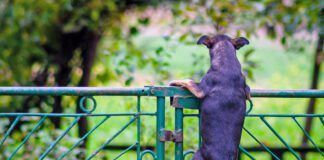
223,107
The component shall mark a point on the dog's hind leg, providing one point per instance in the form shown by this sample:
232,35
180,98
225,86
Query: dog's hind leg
190,85
197,156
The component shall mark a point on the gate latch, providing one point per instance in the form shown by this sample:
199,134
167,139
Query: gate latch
174,136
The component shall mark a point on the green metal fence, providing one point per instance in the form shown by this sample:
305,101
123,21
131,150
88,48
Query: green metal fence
181,100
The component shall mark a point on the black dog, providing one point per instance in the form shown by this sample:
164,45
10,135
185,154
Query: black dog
224,93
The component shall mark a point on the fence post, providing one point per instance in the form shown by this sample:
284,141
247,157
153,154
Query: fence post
160,125
179,130
138,126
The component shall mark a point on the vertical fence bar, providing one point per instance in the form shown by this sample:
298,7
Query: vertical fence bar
138,123
179,129
160,124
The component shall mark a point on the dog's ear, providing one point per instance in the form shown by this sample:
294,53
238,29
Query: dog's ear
239,42
205,40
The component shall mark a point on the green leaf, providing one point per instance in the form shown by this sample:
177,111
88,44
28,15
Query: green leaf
144,21
159,50
283,40
133,30
183,37
247,53
129,81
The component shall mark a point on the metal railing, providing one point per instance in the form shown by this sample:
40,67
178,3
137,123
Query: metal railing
181,100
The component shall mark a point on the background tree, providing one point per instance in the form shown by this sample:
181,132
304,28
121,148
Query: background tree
54,43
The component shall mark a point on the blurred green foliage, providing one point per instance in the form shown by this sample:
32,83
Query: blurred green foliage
31,35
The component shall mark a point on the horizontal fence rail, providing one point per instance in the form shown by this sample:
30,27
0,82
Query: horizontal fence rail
145,91
181,100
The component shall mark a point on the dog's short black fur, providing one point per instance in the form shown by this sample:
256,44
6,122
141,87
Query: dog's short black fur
224,93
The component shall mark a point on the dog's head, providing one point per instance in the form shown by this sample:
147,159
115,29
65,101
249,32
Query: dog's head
210,42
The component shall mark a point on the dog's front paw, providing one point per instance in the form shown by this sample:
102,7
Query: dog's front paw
180,83
190,85
173,83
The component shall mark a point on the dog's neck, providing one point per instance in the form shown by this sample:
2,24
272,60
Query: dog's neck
222,55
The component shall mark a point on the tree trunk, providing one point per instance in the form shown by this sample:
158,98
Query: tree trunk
314,85
69,43
88,53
